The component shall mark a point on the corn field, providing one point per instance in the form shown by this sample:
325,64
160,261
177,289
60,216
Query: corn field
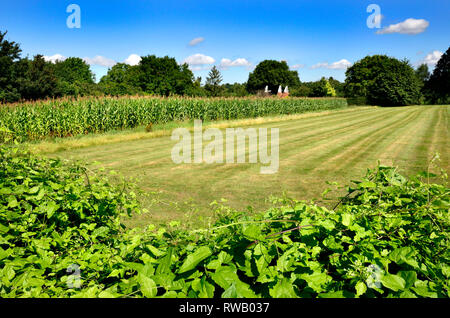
65,117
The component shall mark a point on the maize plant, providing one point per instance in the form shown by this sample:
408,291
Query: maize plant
65,117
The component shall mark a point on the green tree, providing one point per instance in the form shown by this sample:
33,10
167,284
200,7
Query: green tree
273,74
321,88
383,80
9,55
329,89
163,76
304,90
121,79
235,90
38,79
438,85
74,77
213,82
197,90
338,86
74,69
423,74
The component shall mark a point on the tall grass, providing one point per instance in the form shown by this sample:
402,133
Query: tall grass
65,117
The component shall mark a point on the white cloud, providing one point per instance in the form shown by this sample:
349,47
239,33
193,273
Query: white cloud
199,59
226,63
133,59
199,68
196,41
54,58
409,26
431,59
319,65
339,65
297,66
100,60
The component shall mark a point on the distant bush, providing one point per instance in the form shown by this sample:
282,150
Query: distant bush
384,81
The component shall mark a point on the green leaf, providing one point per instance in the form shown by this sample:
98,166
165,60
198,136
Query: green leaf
230,292
154,250
404,255
283,289
5,253
445,269
40,195
367,184
165,263
335,294
347,219
226,275
316,280
148,286
3,229
33,190
393,282
361,289
106,294
252,231
169,294
407,294
116,273
422,288
194,259
12,202
410,278
203,288
328,224
101,231
8,273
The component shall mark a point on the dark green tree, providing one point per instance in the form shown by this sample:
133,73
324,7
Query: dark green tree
163,76
304,90
273,74
320,88
213,81
9,55
235,90
438,86
38,79
197,89
121,79
423,74
74,69
74,77
383,80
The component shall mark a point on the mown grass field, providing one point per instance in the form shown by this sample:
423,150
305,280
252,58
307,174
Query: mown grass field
314,148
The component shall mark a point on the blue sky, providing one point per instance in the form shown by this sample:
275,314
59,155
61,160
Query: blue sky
316,37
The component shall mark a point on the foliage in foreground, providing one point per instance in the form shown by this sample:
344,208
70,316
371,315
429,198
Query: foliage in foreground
387,238
62,118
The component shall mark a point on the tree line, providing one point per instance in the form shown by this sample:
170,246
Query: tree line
374,80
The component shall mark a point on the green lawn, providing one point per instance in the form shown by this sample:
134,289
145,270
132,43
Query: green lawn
333,146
